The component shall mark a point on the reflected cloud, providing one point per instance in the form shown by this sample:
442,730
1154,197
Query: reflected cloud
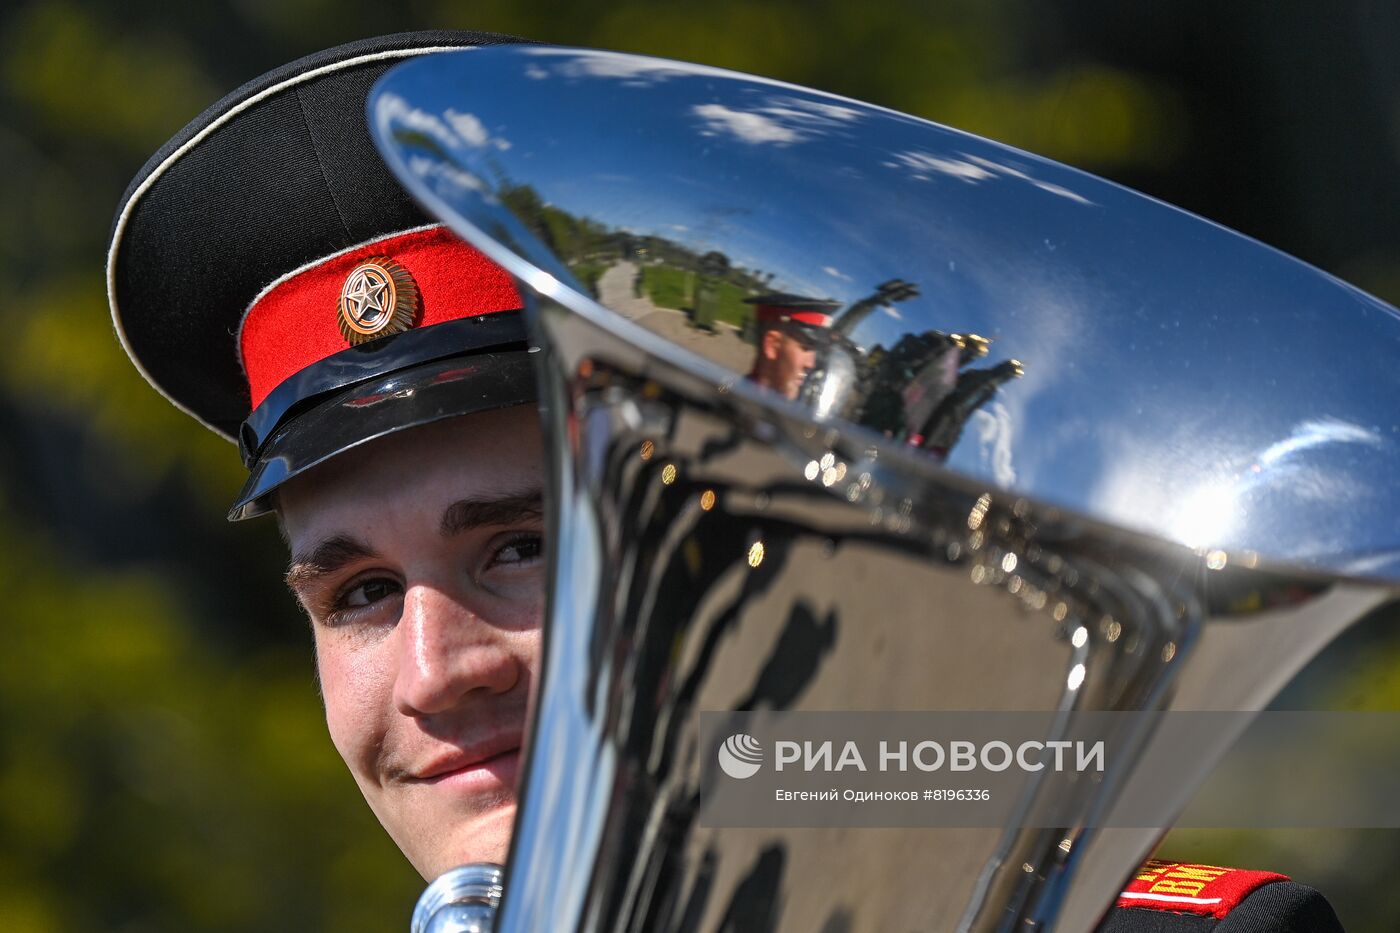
393,110
1011,171
779,120
468,127
994,438
1062,192
998,167
473,132
924,163
634,71
836,273
974,169
811,111
446,178
453,130
744,125
1311,434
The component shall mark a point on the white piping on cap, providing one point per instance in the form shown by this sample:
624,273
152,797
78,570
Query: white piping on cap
190,144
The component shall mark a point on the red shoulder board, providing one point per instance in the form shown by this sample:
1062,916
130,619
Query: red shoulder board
1186,888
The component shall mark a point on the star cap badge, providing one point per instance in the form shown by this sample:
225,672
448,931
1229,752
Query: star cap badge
378,298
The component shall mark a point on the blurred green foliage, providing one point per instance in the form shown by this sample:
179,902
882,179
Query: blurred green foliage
81,76
163,759
148,782
669,287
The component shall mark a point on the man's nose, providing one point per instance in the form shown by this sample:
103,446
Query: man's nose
445,653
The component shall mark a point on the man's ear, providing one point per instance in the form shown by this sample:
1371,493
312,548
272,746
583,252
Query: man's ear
772,343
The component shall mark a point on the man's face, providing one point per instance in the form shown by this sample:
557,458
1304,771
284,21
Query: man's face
419,558
790,358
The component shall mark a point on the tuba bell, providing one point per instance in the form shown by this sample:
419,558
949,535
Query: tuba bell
850,413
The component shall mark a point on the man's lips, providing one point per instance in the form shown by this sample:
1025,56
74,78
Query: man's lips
495,759
493,778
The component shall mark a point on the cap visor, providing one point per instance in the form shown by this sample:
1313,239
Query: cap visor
430,392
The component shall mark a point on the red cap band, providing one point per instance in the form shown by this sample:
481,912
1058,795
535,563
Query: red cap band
1184,888
294,323
775,314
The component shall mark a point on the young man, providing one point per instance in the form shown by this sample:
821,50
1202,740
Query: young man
788,328
269,277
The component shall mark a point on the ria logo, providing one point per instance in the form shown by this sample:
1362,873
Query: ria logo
740,756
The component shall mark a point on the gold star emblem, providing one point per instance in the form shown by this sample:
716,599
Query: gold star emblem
378,298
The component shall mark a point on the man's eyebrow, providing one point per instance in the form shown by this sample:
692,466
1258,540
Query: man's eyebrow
323,559
466,514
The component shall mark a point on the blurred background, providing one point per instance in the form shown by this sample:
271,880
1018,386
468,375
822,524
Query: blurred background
163,760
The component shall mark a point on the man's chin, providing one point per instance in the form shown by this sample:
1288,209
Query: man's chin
483,839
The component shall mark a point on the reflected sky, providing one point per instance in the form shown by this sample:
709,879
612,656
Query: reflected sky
1179,378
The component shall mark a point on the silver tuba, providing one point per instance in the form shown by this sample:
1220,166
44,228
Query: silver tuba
849,411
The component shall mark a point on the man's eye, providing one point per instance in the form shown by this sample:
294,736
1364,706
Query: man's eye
369,592
520,550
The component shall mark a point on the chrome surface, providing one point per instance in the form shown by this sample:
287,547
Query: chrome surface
462,900
1057,438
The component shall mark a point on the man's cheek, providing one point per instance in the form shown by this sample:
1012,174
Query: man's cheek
356,701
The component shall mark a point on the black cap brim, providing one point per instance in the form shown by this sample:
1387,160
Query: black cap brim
423,394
